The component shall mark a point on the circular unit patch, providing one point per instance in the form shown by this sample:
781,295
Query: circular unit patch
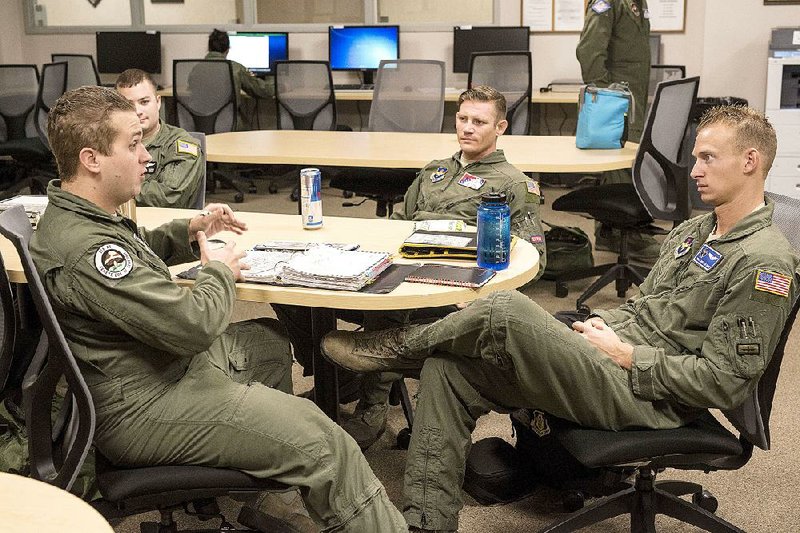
112,261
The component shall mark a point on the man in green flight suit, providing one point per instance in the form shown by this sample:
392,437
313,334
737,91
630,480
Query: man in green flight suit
444,189
177,166
614,47
243,80
698,335
173,381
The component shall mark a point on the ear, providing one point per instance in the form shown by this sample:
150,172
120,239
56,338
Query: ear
501,126
752,161
88,159
158,101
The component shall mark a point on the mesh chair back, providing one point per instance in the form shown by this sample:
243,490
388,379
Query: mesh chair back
659,170
205,95
82,70
200,197
752,417
511,74
57,449
19,85
408,96
659,73
304,95
52,85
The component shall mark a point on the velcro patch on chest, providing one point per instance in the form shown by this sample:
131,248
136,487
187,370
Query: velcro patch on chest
601,6
470,181
113,261
187,147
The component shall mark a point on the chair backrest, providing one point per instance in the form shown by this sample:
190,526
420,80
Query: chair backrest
511,74
205,95
52,85
304,96
408,96
199,201
752,417
659,73
57,448
82,70
659,170
19,86
8,329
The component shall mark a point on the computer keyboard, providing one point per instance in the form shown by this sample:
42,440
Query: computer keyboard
354,86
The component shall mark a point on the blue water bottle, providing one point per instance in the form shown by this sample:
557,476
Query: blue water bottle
494,231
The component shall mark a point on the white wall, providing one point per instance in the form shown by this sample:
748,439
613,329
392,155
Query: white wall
725,42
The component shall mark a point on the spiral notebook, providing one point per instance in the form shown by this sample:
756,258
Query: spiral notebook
458,276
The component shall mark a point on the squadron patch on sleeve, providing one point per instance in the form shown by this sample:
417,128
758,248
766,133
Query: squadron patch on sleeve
601,6
112,261
186,147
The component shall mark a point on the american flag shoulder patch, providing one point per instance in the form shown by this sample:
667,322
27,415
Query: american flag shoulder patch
773,282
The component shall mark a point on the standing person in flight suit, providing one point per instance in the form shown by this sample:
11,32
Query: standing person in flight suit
614,47
444,189
177,165
243,80
173,381
698,336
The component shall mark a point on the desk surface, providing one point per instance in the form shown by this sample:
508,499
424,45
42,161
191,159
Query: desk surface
30,505
528,153
450,95
382,235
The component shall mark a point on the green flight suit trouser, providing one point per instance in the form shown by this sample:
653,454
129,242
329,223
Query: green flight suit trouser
501,353
233,408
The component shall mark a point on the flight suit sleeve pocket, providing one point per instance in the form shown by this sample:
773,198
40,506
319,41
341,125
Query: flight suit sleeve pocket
642,372
746,350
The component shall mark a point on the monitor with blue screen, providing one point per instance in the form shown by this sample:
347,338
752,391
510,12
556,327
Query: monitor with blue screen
362,47
258,51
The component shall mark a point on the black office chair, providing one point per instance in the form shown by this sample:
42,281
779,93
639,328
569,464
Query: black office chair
704,445
82,69
408,97
659,190
511,74
19,87
59,447
205,101
659,73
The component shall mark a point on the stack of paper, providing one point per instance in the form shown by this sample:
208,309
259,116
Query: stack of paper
324,267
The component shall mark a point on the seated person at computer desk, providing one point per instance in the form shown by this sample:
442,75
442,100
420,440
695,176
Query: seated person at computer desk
698,335
445,189
218,46
172,380
177,166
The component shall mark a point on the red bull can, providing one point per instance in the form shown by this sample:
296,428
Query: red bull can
311,198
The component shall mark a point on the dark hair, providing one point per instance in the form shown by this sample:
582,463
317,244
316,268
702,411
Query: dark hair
218,41
751,129
80,119
133,77
484,93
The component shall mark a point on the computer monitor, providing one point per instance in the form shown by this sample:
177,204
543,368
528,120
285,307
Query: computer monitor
258,51
118,51
469,39
655,49
362,48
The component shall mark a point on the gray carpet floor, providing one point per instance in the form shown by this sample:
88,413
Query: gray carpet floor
760,497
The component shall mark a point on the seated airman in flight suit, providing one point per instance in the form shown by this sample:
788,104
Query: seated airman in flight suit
698,335
445,189
173,381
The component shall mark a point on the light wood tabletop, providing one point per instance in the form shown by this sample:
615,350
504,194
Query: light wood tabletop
30,505
529,153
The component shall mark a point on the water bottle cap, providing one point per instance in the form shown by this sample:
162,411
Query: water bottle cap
494,198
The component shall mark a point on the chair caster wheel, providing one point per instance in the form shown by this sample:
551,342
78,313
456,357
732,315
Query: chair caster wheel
573,501
347,194
561,289
404,438
705,500
238,198
273,189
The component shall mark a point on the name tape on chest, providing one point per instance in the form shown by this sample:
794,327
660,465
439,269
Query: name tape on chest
186,147
773,282
707,258
471,182
112,261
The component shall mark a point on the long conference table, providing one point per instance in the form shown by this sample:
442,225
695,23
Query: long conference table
529,153
383,235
